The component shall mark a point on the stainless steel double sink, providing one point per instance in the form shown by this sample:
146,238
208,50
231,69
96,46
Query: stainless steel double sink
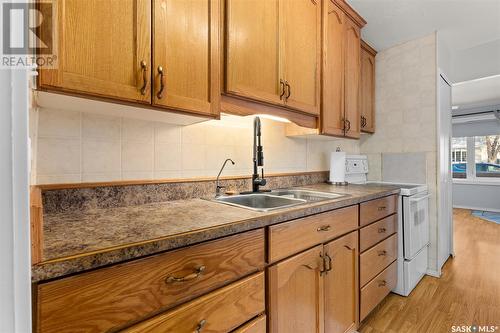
276,199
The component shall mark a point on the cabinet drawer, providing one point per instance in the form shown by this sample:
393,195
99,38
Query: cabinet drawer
258,325
375,291
219,311
377,258
377,209
292,237
115,296
374,233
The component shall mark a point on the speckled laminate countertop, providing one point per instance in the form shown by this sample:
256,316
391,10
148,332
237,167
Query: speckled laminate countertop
82,240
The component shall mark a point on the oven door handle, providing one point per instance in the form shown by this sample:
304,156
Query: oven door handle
417,199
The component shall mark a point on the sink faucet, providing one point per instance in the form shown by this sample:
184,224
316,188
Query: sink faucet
217,186
258,157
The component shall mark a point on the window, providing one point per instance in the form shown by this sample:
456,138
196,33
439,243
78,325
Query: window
482,152
459,157
487,156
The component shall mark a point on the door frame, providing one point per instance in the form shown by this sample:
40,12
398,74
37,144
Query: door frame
15,245
444,123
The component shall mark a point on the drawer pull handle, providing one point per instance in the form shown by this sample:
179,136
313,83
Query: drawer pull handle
382,253
192,276
381,208
382,283
324,228
381,230
200,326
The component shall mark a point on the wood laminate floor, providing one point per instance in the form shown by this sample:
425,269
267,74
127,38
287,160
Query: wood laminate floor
468,292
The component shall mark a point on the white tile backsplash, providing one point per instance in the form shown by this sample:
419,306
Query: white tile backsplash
137,131
58,156
103,148
101,157
101,127
57,123
137,157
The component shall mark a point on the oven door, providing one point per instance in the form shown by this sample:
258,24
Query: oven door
415,223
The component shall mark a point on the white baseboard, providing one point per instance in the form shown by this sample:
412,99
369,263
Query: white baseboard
479,208
433,273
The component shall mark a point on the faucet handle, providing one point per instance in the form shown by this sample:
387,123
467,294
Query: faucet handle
262,181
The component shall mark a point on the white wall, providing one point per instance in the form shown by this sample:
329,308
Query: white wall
15,292
85,147
474,196
406,114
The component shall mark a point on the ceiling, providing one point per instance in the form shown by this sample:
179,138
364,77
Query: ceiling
476,95
469,29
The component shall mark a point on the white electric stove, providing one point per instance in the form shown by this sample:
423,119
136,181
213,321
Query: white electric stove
413,223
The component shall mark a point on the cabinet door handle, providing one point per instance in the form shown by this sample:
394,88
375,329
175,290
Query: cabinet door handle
382,208
329,260
282,89
382,253
144,68
162,83
347,125
382,283
200,326
381,230
289,90
324,228
197,273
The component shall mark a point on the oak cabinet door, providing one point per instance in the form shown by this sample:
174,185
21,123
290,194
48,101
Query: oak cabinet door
252,58
186,55
301,53
352,79
104,49
367,92
296,293
332,113
341,284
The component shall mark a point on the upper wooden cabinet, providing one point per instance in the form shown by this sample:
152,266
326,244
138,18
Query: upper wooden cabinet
104,49
367,88
332,113
341,72
352,69
301,53
252,63
273,52
186,55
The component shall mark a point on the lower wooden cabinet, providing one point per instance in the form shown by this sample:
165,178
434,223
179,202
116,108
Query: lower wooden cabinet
296,293
258,325
375,291
221,311
341,284
316,290
111,298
